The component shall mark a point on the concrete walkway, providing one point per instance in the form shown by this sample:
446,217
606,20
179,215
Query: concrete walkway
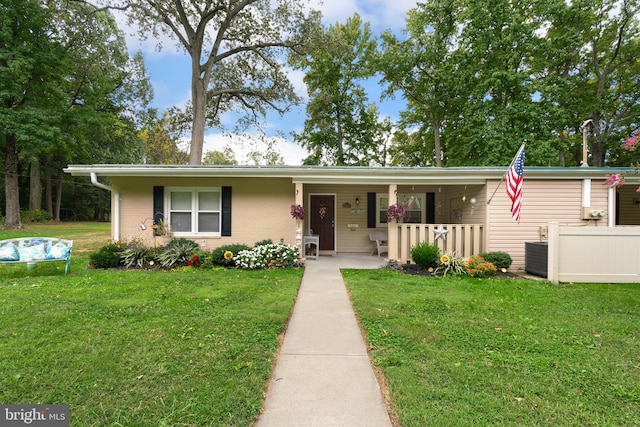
323,376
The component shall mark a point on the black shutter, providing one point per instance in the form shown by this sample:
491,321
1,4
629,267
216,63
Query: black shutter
226,211
431,208
371,210
158,204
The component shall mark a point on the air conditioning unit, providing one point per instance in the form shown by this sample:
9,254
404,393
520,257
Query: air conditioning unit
536,255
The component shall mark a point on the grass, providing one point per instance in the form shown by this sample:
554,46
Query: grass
188,347
471,352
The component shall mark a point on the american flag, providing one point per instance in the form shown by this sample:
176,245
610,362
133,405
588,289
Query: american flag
514,178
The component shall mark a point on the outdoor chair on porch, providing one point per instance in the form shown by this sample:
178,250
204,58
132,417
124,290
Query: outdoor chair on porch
381,240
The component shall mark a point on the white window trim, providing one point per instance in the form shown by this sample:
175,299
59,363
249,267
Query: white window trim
194,209
380,208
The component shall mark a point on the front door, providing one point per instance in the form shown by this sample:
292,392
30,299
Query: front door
322,220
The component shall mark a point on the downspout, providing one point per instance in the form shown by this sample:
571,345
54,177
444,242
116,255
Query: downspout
586,193
115,221
611,207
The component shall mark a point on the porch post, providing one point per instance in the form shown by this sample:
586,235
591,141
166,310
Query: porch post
392,228
298,200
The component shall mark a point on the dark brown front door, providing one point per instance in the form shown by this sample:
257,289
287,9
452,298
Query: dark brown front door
322,221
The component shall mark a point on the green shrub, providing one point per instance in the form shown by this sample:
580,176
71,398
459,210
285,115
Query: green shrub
271,256
476,266
107,256
499,259
34,215
177,253
217,255
425,255
204,259
264,242
137,254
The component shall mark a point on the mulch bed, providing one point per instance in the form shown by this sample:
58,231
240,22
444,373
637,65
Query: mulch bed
416,270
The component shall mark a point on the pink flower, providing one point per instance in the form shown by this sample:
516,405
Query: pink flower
395,211
632,143
614,180
297,212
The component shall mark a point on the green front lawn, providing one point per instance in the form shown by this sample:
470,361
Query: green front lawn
469,352
187,347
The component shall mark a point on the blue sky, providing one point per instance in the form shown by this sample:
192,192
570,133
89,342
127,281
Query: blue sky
169,71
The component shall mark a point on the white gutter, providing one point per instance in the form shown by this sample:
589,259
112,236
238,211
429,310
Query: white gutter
115,220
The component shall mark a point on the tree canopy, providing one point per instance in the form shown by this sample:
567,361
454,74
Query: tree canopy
238,52
343,127
481,76
70,93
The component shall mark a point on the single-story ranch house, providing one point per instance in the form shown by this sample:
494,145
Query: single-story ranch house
217,205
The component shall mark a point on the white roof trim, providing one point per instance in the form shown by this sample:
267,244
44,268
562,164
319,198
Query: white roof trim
344,175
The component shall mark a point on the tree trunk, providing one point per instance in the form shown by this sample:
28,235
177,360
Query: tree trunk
598,147
11,185
35,186
436,140
58,198
199,97
48,195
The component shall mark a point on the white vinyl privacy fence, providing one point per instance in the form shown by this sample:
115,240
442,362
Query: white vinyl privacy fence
593,254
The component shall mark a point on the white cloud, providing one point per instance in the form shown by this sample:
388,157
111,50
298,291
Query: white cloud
296,77
382,14
292,153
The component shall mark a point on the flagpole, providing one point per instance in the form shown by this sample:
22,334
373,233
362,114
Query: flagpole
511,164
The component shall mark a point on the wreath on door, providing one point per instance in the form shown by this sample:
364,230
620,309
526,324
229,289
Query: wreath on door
322,211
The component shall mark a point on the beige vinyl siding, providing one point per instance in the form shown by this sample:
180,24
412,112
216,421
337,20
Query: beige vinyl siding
451,198
260,208
542,201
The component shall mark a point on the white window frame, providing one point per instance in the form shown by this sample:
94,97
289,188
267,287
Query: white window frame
381,219
194,209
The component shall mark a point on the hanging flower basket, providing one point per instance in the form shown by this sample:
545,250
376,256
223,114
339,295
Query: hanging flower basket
297,212
395,211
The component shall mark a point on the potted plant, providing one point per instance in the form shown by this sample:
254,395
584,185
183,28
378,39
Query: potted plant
297,212
395,211
162,232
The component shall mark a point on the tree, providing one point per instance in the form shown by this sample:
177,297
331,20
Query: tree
262,151
105,90
604,79
161,140
481,76
342,128
215,157
70,93
236,48
423,68
30,95
497,41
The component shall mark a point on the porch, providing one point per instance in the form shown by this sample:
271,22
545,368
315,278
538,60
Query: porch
341,217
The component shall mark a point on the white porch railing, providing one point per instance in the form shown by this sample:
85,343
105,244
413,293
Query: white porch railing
463,239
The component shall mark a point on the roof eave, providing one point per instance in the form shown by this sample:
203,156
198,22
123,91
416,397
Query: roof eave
342,175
